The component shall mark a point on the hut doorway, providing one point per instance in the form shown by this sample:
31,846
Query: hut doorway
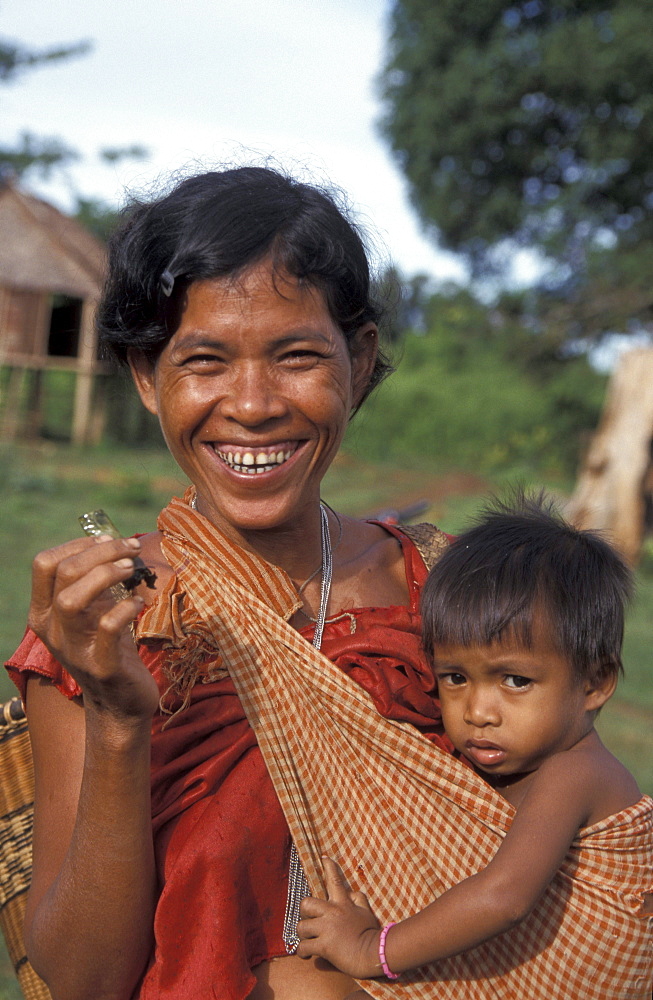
65,325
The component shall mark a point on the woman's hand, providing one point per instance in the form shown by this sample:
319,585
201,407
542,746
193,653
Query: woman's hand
76,617
341,929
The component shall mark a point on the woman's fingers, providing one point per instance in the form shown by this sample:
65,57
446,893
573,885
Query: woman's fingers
76,573
44,570
75,615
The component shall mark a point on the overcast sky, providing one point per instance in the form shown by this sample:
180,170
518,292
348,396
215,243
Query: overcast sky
199,82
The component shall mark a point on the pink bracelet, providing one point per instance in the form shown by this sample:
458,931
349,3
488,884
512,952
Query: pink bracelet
384,965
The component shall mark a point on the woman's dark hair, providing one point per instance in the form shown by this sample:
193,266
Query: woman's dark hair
218,224
522,560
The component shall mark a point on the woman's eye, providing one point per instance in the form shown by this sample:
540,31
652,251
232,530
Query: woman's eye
203,361
517,681
300,356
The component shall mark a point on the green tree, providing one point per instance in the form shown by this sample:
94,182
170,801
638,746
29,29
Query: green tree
525,124
41,155
477,390
403,300
33,152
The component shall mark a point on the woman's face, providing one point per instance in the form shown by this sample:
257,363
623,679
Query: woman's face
253,392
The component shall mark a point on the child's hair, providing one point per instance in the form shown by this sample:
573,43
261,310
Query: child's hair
522,560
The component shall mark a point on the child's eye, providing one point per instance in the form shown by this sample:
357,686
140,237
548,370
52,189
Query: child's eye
517,681
452,678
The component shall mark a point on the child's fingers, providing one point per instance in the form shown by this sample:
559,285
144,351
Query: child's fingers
308,928
336,884
306,949
359,899
312,907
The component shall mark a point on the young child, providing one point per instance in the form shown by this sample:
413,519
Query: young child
523,620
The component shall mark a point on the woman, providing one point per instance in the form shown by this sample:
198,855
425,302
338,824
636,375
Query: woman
241,303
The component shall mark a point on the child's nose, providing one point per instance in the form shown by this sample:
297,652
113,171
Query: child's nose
481,709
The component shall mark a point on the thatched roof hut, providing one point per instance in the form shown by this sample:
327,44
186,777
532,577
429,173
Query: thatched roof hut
51,273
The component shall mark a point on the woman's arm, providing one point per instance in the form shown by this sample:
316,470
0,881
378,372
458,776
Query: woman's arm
345,931
90,911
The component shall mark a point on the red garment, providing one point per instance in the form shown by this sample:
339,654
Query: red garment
221,841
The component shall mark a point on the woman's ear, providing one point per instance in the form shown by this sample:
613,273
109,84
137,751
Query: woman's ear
599,691
363,348
143,368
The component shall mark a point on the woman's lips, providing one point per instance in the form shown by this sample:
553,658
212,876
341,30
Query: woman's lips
484,753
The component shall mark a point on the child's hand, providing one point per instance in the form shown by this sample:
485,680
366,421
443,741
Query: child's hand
341,929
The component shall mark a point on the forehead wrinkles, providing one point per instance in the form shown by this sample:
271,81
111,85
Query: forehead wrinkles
257,293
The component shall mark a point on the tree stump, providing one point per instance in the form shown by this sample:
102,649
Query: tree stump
614,491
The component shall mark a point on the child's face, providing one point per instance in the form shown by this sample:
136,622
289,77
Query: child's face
506,707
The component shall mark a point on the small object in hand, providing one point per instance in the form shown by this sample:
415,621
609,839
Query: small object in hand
96,523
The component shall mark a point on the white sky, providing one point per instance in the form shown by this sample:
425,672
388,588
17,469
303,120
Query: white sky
202,81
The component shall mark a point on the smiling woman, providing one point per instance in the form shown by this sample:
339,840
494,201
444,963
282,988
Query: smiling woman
163,862
257,381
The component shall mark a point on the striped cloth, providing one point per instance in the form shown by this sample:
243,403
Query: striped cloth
404,820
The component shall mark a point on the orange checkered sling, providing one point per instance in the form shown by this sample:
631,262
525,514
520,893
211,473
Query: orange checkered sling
403,819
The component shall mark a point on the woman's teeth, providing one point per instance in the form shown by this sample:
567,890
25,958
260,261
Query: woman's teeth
252,462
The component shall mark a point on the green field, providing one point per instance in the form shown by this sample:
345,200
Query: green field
45,487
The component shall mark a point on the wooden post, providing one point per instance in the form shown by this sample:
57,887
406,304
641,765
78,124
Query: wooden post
34,406
13,404
611,487
84,381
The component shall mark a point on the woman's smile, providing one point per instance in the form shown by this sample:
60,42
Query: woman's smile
254,391
255,459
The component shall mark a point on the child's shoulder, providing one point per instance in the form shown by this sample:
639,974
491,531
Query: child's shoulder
590,771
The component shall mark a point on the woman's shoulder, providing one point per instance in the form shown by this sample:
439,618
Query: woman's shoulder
380,564
429,540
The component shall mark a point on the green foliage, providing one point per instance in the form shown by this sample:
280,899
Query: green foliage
15,58
526,121
43,155
473,392
99,217
34,152
403,301
128,422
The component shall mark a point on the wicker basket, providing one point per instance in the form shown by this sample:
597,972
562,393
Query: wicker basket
16,809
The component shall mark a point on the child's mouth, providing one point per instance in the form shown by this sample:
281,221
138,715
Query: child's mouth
484,753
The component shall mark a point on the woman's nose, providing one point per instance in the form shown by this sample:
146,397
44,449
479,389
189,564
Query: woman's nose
481,709
252,398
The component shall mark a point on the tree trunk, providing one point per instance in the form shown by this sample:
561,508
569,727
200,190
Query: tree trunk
613,492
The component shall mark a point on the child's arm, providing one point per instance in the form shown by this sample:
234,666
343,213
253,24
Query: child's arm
344,930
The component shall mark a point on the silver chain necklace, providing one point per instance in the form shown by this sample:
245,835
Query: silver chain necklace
298,887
